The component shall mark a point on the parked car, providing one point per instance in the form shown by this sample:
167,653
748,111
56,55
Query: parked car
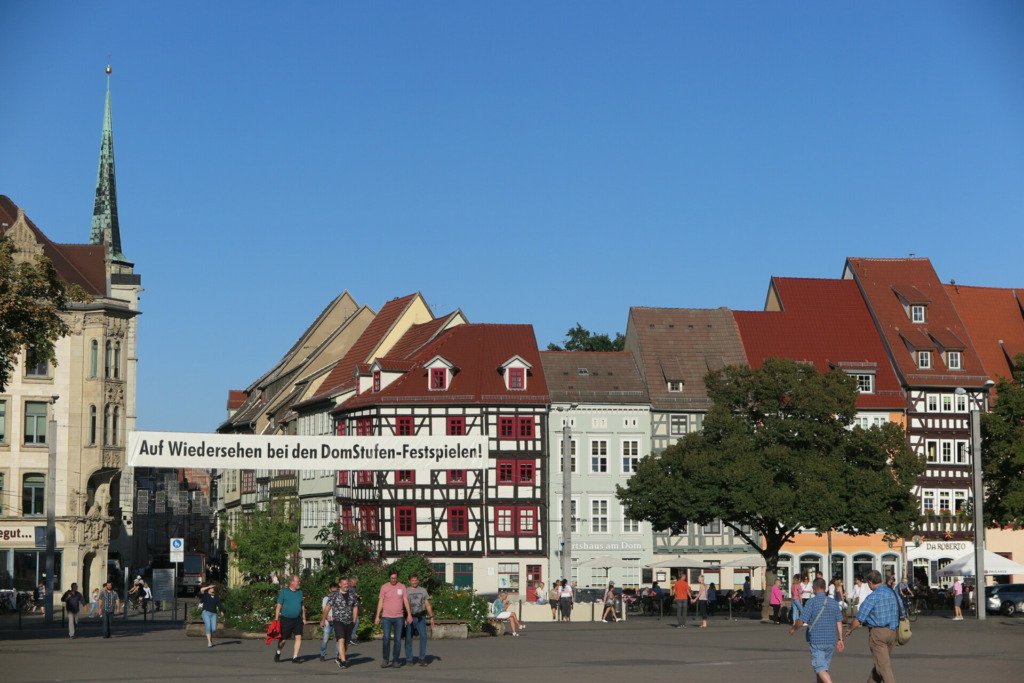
1008,598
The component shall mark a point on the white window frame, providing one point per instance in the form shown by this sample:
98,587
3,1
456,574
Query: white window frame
630,526
932,403
924,360
918,313
630,455
961,403
954,360
865,382
599,456
599,508
675,386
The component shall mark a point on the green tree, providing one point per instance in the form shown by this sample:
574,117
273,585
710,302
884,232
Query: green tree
777,456
32,299
581,339
344,549
1002,448
264,541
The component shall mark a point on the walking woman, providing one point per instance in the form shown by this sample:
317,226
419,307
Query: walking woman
776,601
211,607
609,603
702,601
94,602
796,594
565,600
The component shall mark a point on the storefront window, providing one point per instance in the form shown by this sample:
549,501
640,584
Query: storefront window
862,564
30,569
810,565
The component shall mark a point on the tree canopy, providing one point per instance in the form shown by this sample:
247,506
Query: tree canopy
264,541
1002,448
32,298
581,339
777,455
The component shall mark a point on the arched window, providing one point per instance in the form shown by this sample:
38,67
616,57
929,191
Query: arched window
811,565
94,359
108,360
106,425
862,564
92,425
115,427
890,563
117,360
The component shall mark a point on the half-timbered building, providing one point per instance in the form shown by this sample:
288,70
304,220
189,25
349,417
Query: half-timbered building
825,323
480,528
943,380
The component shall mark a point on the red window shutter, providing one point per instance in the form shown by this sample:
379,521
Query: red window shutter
456,426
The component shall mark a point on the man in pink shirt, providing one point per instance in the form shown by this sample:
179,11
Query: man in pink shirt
393,604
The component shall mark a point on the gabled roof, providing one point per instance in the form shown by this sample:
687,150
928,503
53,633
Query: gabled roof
878,281
995,321
682,341
420,334
826,323
78,264
342,377
277,384
478,350
609,377
236,397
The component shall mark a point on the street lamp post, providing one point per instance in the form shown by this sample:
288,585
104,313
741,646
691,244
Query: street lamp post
978,491
567,493
51,506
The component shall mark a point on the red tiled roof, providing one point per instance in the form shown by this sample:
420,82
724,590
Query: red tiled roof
418,335
341,377
879,280
79,264
477,350
826,323
995,321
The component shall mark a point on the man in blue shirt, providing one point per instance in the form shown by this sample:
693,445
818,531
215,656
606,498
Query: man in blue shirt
825,629
880,612
292,614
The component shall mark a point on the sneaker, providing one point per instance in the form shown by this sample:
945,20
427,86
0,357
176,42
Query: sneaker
385,664
296,660
207,645
277,656
354,641
423,662
515,634
341,665
323,658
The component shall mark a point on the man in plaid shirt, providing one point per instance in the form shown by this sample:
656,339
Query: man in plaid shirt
110,604
825,619
880,612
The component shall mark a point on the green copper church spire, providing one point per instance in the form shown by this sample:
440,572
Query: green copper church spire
105,228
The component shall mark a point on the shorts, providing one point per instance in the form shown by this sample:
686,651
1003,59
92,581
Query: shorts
958,600
821,657
291,627
343,632
503,615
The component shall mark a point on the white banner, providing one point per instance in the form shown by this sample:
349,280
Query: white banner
255,452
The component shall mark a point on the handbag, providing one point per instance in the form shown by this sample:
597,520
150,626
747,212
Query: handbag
903,632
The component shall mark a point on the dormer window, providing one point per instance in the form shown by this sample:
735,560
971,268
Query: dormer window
924,360
954,361
675,386
865,382
918,313
376,380
515,371
438,379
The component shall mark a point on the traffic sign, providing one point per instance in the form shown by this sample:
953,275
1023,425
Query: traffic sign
177,550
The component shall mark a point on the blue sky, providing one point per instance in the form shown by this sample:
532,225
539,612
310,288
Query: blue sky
527,162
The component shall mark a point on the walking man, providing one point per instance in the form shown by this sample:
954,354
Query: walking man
343,609
327,623
353,581
420,609
825,631
880,612
393,604
73,600
292,614
110,603
681,588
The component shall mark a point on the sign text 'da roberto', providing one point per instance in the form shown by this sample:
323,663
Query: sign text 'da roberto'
249,451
